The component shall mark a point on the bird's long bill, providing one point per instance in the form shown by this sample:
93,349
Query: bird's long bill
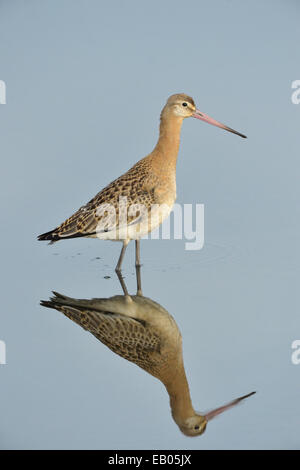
204,117
213,413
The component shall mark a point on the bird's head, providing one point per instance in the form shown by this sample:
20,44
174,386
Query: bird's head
193,426
183,106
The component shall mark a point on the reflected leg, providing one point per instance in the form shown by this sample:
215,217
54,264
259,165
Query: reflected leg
119,265
120,261
122,282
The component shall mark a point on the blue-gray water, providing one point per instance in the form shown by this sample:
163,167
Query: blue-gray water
85,85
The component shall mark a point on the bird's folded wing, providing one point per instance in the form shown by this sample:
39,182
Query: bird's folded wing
105,212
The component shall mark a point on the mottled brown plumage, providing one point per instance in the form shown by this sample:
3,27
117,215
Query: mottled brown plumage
150,182
143,332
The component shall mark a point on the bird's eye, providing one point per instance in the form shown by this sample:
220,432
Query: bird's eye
184,104
197,427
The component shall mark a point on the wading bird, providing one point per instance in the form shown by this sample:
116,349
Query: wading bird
149,189
143,332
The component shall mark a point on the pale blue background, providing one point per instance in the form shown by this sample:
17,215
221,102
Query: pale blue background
86,81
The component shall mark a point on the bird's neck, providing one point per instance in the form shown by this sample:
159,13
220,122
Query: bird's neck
166,150
180,398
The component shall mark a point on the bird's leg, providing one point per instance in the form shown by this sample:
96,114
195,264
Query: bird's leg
118,268
138,267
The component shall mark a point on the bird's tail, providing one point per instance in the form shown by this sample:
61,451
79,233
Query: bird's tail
59,300
75,309
54,236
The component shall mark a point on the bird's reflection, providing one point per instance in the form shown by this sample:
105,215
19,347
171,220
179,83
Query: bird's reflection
142,331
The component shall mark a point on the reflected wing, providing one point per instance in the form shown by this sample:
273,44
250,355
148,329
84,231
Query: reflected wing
128,337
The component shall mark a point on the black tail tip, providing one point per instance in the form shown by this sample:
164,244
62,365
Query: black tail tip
52,236
46,303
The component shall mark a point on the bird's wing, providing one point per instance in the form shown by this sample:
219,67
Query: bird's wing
96,216
128,337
